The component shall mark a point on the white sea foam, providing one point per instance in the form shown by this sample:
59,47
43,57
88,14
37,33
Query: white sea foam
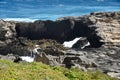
71,43
32,56
27,58
20,19
88,44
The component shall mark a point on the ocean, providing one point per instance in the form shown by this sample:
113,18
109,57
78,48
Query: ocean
30,10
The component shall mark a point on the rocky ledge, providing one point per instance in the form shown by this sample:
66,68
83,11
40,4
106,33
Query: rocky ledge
42,40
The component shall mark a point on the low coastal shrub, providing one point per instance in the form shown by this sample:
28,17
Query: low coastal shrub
40,71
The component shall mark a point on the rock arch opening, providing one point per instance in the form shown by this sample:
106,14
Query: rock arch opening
61,31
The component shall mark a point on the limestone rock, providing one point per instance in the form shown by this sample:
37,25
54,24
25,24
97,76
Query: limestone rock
44,38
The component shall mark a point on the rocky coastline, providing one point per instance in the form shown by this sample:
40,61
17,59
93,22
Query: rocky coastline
44,40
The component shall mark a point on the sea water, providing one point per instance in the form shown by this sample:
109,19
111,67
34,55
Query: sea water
30,10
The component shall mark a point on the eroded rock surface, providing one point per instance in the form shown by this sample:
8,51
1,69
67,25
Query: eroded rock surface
44,39
99,28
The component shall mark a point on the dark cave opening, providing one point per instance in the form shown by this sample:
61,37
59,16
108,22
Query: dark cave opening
60,31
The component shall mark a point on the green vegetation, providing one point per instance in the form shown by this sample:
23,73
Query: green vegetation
39,71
